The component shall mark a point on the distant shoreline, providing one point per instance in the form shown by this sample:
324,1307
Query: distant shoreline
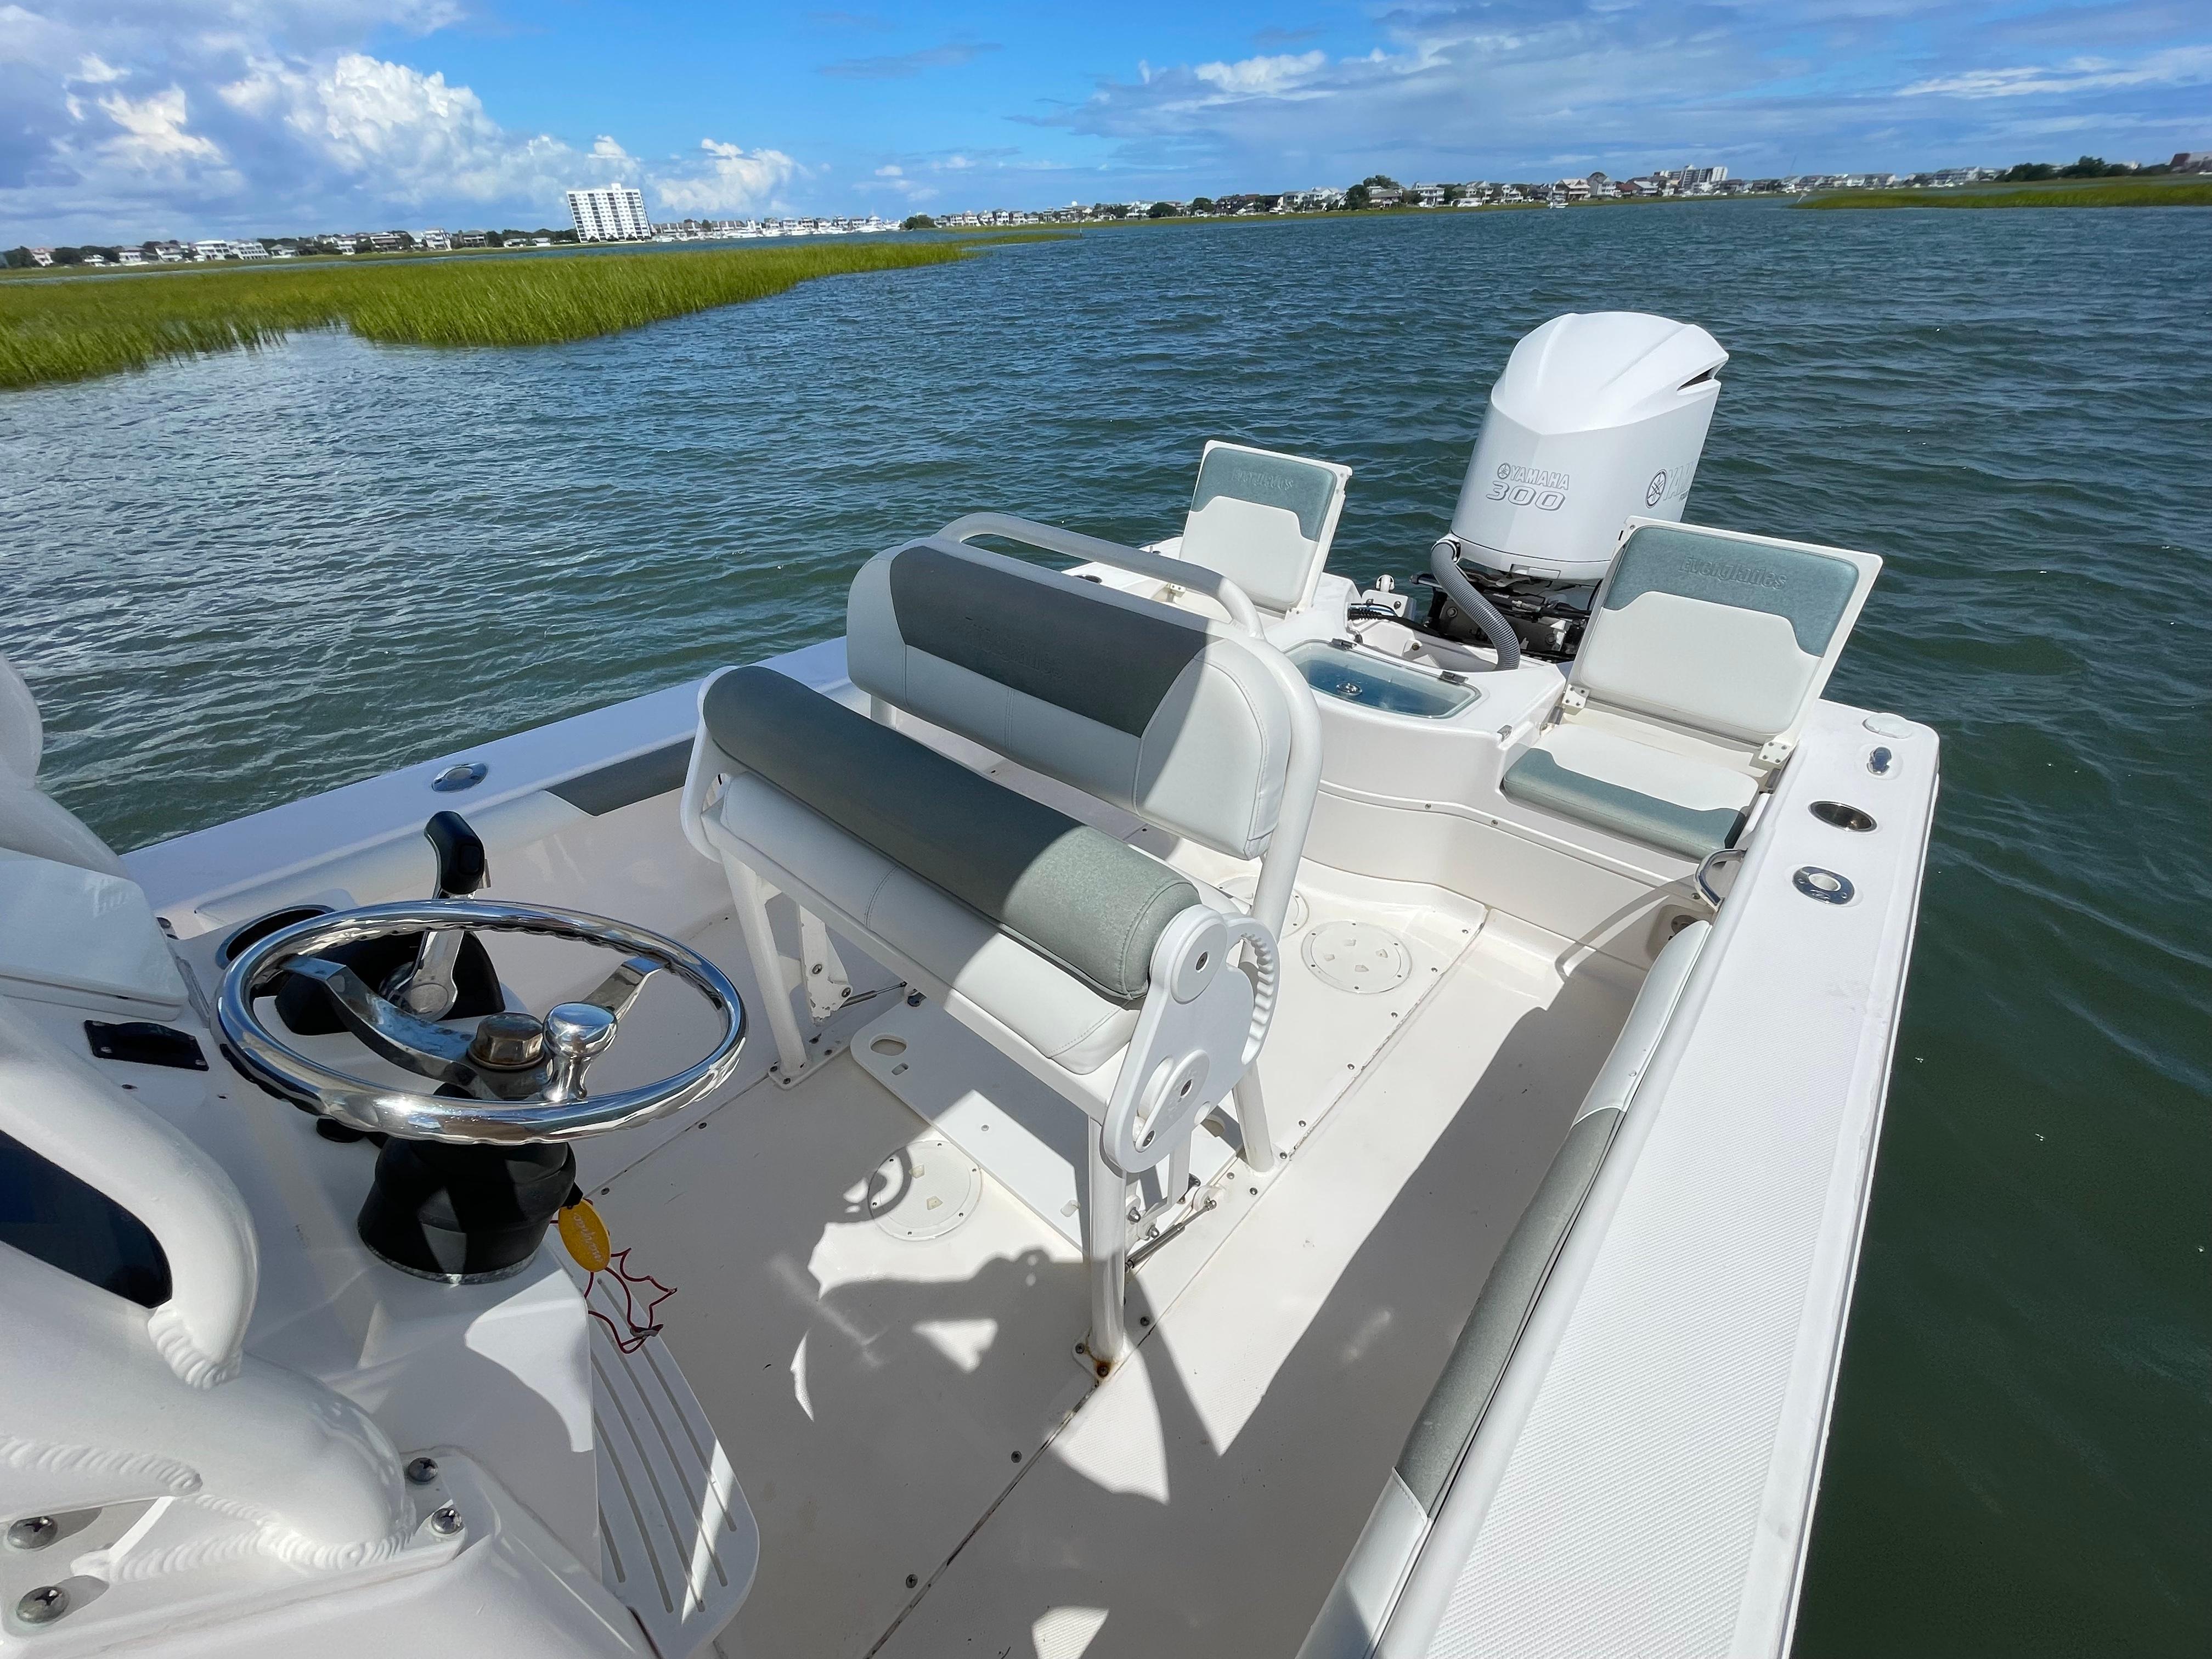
2188,189
52,331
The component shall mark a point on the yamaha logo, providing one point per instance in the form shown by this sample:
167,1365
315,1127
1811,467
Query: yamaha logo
1654,490
1505,470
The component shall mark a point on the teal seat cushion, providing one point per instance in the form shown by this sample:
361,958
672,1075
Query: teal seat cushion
1538,780
1076,896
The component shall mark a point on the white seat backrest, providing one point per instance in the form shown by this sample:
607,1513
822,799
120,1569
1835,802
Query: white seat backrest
1727,633
1175,718
31,822
23,734
1265,521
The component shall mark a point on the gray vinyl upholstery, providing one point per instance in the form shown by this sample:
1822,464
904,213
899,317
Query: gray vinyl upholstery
1093,905
1725,634
1456,1407
1359,1612
1265,520
1539,778
1728,638
1151,709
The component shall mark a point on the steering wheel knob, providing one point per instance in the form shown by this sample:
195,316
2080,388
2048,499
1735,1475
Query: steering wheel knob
579,1032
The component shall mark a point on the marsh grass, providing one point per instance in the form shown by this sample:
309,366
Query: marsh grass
73,330
2099,193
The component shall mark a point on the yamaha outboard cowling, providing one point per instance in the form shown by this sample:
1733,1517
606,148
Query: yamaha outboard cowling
1599,417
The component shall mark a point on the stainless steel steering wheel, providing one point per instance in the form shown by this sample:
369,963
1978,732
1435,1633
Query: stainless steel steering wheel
514,1078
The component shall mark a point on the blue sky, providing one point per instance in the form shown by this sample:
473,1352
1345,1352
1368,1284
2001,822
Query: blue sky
130,119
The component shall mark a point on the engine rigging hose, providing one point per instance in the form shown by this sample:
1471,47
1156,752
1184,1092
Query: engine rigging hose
1444,565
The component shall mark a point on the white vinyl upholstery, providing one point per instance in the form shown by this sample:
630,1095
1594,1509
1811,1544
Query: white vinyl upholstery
1723,638
1727,634
849,883
23,733
1204,757
1265,520
31,821
1097,967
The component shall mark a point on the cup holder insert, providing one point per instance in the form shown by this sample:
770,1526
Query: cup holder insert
1842,814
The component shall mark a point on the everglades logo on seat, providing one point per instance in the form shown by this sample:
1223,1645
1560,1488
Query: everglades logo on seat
1749,575
1529,486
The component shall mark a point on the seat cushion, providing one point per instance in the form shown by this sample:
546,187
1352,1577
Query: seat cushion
857,888
1093,905
1264,521
1648,794
1729,634
1185,724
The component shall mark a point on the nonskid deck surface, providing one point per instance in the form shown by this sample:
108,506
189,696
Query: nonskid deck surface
901,1409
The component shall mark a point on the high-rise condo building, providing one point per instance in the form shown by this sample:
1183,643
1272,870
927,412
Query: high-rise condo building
614,214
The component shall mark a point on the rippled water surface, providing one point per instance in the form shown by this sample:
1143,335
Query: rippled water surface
237,580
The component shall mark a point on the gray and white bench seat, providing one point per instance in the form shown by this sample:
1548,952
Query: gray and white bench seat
1092,906
1705,651
1363,1608
1098,968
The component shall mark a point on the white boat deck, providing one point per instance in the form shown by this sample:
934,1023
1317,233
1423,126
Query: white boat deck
931,1471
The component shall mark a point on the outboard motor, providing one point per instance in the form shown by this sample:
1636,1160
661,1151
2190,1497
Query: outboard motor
1598,418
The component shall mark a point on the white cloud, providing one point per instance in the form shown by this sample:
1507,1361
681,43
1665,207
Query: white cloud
1528,88
410,138
1263,77
2182,66
737,180
890,172
209,116
154,137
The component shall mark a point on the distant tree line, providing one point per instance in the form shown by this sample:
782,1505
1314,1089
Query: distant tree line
2089,166
108,253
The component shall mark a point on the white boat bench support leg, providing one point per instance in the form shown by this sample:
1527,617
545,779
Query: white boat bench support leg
751,893
1201,1026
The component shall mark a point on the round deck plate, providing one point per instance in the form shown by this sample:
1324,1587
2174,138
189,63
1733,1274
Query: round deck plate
925,1189
1358,956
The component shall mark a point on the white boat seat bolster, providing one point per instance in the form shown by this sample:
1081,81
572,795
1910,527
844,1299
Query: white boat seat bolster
32,821
1092,905
1352,1620
1265,520
1153,710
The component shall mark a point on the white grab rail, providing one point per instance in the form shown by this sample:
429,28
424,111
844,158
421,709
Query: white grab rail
102,1404
61,1108
1077,545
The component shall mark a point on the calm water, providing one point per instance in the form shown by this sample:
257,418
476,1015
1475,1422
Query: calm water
235,582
